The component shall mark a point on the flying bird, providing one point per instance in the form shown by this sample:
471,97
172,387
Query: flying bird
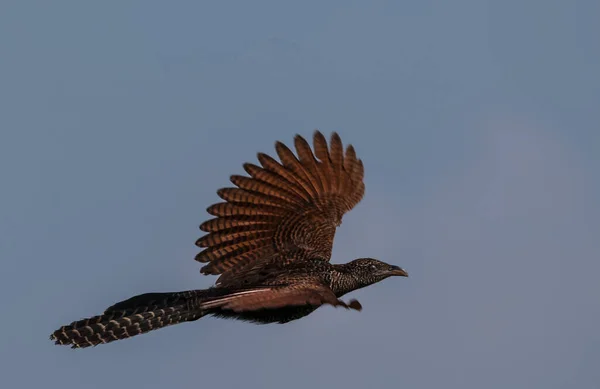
269,242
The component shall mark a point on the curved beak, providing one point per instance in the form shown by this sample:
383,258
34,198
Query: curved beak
398,271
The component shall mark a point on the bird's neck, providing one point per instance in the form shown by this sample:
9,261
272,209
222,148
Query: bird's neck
343,281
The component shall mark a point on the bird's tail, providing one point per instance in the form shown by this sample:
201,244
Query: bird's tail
135,316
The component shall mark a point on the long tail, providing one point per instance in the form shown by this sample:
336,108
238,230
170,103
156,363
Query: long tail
135,316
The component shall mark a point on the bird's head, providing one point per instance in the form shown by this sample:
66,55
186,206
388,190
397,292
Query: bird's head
369,271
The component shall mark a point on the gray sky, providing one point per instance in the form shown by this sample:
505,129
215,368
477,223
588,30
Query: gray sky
478,124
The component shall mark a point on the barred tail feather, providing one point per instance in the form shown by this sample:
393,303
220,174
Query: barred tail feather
129,318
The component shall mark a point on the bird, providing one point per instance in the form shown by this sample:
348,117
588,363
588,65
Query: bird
270,243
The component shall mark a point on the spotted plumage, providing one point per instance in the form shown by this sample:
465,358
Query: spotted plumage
269,242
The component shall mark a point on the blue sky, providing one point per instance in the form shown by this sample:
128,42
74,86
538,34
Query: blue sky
478,125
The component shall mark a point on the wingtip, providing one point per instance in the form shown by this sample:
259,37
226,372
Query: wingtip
336,136
354,304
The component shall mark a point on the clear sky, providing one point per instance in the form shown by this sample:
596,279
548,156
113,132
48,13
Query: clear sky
478,123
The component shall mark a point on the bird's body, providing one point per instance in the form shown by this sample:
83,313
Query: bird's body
339,278
270,242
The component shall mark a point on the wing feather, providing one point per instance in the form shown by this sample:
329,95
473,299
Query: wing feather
278,297
283,210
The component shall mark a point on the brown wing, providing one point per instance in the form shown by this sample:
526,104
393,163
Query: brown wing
279,297
283,211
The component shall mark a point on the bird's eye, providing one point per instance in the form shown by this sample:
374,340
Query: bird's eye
373,267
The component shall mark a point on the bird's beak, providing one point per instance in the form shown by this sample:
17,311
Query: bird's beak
398,271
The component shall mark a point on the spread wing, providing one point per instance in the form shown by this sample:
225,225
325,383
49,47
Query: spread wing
279,297
283,210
